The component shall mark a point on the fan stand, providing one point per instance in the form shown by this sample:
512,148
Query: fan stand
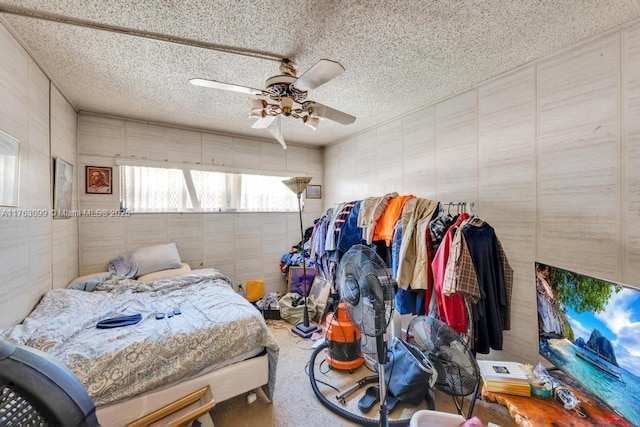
382,359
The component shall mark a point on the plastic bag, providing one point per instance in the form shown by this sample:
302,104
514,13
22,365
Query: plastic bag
292,308
408,373
562,393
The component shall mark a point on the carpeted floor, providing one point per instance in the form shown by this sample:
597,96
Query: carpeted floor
295,403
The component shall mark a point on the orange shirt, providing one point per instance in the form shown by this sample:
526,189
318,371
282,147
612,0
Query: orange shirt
387,221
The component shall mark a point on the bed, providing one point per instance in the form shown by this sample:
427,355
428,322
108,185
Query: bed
209,336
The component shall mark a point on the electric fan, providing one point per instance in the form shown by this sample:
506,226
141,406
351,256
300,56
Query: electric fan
458,373
367,290
38,390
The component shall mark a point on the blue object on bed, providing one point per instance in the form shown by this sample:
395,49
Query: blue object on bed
117,322
90,284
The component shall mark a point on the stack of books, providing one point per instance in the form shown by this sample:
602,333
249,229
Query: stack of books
504,377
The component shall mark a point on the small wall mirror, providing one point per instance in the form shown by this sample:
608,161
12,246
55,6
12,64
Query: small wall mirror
9,170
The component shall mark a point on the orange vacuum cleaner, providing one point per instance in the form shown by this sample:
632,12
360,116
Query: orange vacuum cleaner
344,350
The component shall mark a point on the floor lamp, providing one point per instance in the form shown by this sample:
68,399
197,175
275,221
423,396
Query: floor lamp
306,328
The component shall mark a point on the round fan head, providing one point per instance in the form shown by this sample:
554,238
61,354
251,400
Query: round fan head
458,373
367,289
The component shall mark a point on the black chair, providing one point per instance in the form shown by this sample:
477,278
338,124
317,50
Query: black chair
38,390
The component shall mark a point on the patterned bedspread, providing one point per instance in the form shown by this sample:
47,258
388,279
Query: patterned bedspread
215,324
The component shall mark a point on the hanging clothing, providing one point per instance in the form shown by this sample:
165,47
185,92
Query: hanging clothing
404,301
492,312
428,270
319,236
439,226
330,240
384,227
408,301
449,286
451,309
370,211
318,239
341,219
350,234
395,248
413,252
466,277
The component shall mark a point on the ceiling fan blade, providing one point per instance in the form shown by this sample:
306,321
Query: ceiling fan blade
276,130
329,113
263,122
320,73
225,86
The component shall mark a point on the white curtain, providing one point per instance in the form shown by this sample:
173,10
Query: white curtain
154,189
266,194
211,189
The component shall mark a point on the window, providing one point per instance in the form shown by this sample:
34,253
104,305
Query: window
156,189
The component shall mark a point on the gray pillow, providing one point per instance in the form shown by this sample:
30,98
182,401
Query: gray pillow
146,260
155,258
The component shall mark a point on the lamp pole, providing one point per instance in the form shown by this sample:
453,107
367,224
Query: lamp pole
305,329
304,265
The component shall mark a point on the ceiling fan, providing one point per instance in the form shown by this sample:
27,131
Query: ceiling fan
286,95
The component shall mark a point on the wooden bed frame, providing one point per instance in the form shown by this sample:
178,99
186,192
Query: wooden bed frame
224,383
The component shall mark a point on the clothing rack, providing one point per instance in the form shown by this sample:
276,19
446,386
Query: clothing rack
460,207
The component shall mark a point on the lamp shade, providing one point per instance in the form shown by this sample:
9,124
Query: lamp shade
297,184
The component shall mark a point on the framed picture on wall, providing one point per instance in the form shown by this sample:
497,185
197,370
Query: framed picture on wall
314,191
9,170
98,180
62,188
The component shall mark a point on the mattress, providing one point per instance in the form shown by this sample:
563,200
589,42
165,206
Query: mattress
214,328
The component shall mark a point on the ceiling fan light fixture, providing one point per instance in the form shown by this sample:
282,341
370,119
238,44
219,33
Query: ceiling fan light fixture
311,121
318,111
286,104
286,95
256,103
258,113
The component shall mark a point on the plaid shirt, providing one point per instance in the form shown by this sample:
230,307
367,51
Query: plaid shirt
449,283
466,277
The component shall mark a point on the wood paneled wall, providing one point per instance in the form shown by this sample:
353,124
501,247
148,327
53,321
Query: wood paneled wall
549,154
37,252
242,245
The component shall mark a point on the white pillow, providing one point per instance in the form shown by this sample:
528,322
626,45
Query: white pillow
149,259
164,274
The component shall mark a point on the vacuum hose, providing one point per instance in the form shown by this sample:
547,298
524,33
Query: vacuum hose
335,408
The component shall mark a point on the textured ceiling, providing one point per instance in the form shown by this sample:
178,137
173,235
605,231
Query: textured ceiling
399,55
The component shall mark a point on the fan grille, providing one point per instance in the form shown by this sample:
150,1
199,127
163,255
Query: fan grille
16,410
457,369
367,288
